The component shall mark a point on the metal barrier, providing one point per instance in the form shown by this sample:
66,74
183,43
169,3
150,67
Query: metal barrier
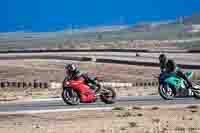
97,50
143,63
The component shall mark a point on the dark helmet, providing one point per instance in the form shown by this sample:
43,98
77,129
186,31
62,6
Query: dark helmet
70,67
163,58
171,66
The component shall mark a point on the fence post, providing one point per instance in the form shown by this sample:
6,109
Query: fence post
24,84
29,84
45,85
149,83
8,84
2,84
40,84
19,84
13,84
153,83
157,83
145,84
35,84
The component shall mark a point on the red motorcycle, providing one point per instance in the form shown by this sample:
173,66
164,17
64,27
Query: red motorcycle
79,91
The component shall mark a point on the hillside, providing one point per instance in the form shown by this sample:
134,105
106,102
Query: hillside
103,37
194,19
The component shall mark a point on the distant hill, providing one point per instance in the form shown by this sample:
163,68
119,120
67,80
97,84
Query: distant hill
155,26
177,24
194,19
161,30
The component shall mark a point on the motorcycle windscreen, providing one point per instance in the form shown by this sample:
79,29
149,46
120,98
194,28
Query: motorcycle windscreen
189,74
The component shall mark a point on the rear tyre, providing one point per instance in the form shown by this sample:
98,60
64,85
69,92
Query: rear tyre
196,90
196,95
70,96
108,96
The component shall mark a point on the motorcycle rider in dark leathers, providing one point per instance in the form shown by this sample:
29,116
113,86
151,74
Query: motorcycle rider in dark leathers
169,66
73,73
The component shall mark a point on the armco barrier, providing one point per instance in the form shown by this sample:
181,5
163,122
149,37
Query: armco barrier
127,62
93,59
142,63
73,50
47,57
194,51
97,50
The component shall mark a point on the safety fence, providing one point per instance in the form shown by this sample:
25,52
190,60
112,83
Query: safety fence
54,85
23,84
136,84
38,84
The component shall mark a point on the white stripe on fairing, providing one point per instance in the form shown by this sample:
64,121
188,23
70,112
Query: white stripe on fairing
57,110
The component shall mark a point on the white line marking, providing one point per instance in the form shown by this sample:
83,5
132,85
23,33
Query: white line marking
56,110
60,99
43,100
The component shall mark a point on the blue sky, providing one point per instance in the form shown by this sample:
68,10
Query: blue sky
51,15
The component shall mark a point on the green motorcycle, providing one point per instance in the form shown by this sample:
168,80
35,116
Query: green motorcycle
171,86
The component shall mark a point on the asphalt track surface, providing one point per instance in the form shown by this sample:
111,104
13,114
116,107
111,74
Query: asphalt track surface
59,104
120,101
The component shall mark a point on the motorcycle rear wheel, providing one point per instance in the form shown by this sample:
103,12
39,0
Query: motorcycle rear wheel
108,96
196,94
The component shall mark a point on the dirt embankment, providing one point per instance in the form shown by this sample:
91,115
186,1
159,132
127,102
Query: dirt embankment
120,120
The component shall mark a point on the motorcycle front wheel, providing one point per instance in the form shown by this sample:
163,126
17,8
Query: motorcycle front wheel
166,92
70,96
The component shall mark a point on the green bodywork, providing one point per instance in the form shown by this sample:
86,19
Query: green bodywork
177,82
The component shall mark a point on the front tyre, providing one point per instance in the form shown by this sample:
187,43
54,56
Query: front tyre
70,96
166,92
108,96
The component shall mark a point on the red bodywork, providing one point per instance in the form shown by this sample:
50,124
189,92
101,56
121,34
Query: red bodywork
87,95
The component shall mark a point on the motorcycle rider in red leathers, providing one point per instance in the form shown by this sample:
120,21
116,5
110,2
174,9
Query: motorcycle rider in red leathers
73,73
